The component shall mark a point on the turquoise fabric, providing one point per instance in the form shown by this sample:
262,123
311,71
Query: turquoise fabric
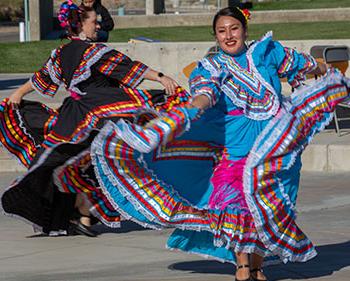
237,134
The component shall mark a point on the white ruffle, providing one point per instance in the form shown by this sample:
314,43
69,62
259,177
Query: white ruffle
87,72
232,95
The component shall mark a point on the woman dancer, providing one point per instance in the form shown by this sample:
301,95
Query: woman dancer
229,182
101,82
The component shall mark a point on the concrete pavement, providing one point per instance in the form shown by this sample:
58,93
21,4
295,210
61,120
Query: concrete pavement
135,254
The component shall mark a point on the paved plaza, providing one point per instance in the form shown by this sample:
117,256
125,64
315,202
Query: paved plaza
136,254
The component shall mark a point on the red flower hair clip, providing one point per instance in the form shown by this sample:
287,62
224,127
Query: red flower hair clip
245,13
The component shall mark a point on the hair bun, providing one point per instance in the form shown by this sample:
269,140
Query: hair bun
63,14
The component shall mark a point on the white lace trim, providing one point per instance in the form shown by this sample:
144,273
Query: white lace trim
41,160
98,156
276,103
216,73
96,214
96,147
257,153
266,262
69,162
92,210
51,69
24,129
87,73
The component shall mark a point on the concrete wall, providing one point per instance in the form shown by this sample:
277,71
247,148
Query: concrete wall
34,20
40,18
338,14
171,58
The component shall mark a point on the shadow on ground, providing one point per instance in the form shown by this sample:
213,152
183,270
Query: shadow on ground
330,258
126,227
11,83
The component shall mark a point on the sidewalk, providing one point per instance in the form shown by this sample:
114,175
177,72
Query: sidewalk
136,254
9,34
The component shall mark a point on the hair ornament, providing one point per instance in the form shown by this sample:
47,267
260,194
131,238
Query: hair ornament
245,13
63,15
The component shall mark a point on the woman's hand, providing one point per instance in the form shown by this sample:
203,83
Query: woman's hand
321,69
15,99
169,84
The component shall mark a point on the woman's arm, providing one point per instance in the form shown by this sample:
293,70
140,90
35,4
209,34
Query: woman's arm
16,97
201,101
168,83
294,65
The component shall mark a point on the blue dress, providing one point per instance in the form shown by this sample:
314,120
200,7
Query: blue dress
227,180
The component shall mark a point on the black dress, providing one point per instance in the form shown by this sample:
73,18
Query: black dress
54,144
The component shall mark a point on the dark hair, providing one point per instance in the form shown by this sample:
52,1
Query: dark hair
71,17
233,12
97,3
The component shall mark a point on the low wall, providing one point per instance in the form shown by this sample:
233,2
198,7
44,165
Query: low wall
171,58
315,15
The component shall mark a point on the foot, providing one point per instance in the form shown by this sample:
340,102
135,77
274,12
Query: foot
81,225
258,274
242,272
77,228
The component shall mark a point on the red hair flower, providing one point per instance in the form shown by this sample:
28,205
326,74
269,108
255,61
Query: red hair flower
246,14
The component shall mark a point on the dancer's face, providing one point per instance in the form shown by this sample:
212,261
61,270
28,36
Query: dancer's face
90,25
230,35
88,3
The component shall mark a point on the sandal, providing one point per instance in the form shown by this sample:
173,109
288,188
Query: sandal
256,270
239,267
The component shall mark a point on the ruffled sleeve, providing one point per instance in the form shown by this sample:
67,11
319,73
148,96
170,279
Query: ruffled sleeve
120,67
47,80
203,82
292,64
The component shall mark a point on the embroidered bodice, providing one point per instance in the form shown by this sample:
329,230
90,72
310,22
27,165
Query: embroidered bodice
251,79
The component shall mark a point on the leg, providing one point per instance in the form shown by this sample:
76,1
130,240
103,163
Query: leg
242,268
82,225
256,267
83,208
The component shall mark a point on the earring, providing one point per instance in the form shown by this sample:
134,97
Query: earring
82,36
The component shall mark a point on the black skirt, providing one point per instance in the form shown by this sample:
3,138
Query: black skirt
54,146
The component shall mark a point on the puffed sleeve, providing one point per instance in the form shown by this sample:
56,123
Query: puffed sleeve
292,64
203,82
120,67
47,80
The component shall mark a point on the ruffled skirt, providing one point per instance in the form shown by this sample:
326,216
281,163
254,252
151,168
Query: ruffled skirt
186,183
55,147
